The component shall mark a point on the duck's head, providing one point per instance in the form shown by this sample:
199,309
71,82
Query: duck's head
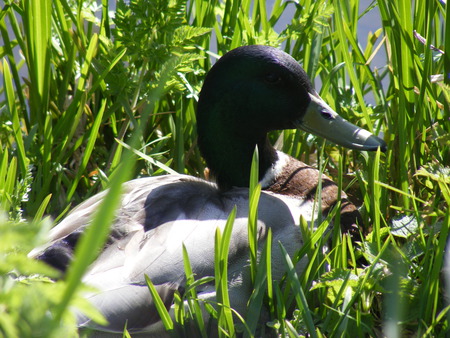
256,89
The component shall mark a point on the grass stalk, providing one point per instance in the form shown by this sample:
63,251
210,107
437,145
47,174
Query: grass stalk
222,242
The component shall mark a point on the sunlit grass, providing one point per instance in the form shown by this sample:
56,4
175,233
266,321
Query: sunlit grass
80,89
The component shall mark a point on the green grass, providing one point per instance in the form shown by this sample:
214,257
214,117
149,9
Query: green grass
82,93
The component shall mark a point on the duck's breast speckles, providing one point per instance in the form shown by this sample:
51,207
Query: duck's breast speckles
296,179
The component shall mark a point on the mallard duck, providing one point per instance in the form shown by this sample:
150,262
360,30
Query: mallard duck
249,92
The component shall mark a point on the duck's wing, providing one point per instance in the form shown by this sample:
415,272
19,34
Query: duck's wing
119,272
173,220
156,217
62,239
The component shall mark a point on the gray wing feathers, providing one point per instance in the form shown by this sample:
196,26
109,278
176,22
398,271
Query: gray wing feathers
132,304
157,216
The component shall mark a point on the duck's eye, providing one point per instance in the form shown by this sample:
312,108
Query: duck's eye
272,78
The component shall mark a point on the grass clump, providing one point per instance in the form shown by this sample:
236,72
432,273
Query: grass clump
84,88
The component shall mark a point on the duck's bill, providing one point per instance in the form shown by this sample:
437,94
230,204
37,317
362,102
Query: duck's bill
323,121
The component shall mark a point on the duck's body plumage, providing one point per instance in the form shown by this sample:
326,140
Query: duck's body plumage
156,216
249,92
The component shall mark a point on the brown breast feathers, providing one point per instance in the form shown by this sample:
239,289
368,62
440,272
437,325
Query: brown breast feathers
300,180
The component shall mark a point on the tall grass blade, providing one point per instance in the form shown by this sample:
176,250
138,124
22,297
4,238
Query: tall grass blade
375,198
393,303
298,292
192,294
100,81
222,243
159,304
8,173
7,48
148,158
343,33
254,194
40,212
15,119
89,148
37,24
262,278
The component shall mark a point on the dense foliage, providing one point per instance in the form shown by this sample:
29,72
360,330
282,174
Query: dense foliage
90,98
